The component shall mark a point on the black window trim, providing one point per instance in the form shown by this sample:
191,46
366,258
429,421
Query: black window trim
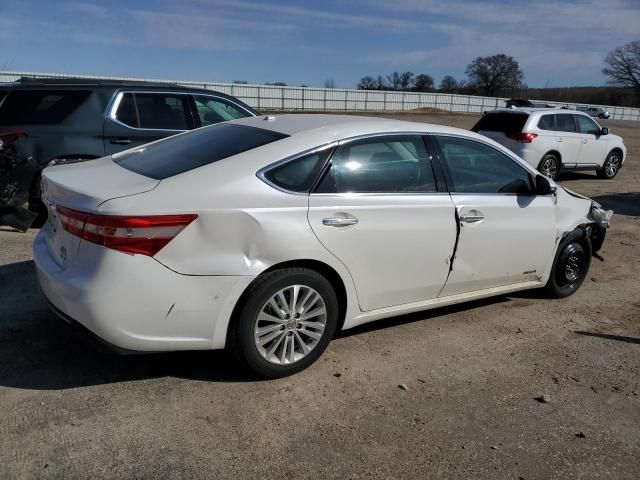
441,162
112,108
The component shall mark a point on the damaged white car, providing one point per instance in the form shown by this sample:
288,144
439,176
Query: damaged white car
267,235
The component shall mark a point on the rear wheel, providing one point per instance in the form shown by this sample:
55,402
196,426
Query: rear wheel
285,322
611,166
549,166
570,266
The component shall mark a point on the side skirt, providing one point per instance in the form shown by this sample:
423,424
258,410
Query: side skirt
437,302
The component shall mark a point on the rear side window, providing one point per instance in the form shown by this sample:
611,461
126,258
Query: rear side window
298,175
40,107
394,164
155,111
162,111
501,122
181,153
547,122
565,123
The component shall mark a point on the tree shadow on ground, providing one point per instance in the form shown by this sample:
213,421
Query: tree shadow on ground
627,203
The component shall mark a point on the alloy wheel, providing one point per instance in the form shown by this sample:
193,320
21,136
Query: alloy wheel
549,168
290,324
612,166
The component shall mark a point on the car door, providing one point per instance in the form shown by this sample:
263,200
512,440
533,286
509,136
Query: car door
378,210
568,140
136,118
507,233
593,150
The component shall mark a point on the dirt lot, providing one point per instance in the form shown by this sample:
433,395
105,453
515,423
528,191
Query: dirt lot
473,372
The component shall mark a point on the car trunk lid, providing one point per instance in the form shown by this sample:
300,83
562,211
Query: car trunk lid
83,187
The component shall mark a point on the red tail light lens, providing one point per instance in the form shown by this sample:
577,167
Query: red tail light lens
522,137
145,235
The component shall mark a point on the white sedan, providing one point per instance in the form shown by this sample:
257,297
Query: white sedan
266,235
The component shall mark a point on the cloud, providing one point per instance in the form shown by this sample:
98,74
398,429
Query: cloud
551,40
328,19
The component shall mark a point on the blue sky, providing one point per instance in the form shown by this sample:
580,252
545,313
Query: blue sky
558,43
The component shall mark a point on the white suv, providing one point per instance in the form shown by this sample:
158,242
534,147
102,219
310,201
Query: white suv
555,140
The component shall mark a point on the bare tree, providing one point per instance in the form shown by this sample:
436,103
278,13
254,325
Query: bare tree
329,83
367,83
448,84
495,75
423,83
406,80
623,66
394,81
381,83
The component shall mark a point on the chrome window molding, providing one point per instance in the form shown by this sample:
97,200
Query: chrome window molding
117,98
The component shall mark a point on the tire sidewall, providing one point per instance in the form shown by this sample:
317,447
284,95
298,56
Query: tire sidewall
562,291
252,306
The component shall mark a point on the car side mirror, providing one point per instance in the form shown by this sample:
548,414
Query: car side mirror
604,131
544,186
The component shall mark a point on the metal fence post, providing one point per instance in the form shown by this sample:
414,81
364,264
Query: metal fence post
324,103
302,98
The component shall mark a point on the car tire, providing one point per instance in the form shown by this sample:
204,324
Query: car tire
270,353
570,266
611,166
549,166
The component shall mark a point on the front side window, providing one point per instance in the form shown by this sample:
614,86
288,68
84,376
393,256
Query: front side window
565,123
586,125
478,168
391,164
162,111
215,110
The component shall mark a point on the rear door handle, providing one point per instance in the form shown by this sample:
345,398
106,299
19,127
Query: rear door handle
339,221
473,216
560,139
121,141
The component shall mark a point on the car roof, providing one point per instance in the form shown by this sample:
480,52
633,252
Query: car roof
532,110
94,83
328,128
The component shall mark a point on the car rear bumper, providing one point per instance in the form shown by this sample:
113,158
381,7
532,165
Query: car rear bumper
133,302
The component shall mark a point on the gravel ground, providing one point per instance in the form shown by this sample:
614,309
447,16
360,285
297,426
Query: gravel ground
472,373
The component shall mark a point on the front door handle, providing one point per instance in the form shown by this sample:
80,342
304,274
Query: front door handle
339,221
473,216
560,139
121,141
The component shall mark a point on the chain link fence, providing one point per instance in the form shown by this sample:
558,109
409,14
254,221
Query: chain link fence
274,98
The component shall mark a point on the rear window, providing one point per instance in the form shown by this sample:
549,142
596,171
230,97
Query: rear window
501,122
181,153
40,107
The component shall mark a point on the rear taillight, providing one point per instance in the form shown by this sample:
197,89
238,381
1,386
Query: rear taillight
522,137
7,138
145,235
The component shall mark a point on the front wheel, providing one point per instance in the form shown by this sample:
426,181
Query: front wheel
285,322
549,166
570,266
611,166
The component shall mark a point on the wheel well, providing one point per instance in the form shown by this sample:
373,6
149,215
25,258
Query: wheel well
555,153
322,268
617,150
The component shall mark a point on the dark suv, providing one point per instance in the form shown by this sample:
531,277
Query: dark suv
50,121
